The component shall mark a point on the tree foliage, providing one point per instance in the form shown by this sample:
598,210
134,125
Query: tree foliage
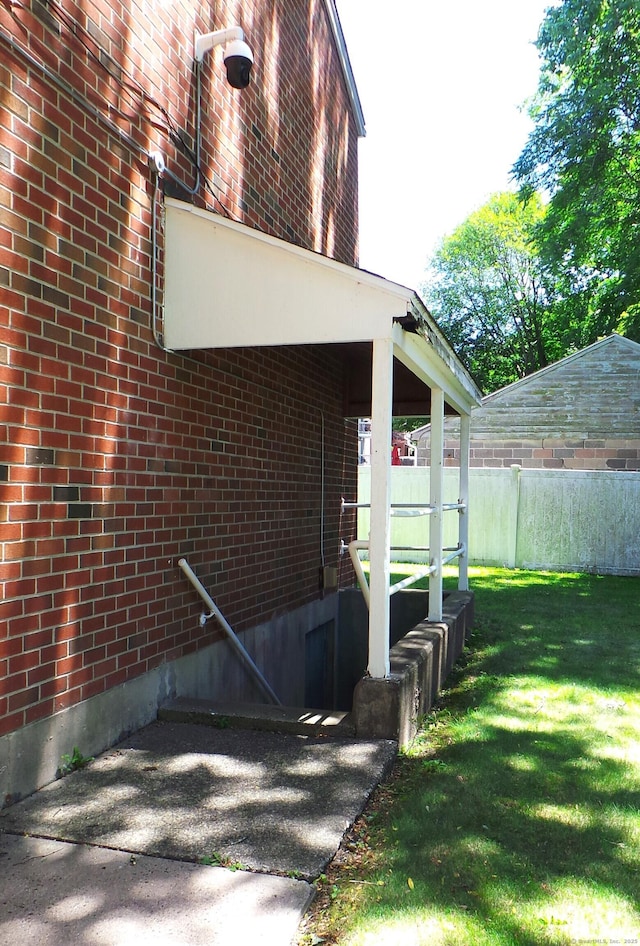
584,153
486,289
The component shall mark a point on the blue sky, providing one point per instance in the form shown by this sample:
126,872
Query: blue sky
442,84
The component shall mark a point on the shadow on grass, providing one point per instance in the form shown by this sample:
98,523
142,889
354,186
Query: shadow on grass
519,805
573,627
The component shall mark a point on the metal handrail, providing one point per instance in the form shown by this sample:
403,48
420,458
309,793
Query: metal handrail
214,611
427,507
404,509
357,544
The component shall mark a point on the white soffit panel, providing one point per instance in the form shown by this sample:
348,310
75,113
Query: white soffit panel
228,286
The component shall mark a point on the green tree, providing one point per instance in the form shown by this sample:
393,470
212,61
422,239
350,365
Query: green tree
485,287
584,153
404,425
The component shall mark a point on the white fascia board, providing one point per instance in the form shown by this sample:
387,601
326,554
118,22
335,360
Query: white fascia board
421,357
345,63
228,286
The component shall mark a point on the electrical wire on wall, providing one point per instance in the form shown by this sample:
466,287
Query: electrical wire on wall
127,84
104,112
322,480
68,90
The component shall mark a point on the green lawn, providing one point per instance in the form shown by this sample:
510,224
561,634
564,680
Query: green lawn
515,817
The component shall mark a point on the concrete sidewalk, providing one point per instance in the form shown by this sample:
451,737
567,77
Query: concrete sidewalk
113,853
54,893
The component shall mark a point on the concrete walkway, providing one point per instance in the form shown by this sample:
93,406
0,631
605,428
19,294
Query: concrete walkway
117,853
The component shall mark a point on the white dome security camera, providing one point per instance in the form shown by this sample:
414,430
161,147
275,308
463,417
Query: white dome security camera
237,56
238,60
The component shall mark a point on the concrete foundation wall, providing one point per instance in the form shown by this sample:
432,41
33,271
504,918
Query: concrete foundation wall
422,655
408,608
420,661
30,756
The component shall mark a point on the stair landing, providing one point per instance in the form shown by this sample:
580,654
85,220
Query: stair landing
260,716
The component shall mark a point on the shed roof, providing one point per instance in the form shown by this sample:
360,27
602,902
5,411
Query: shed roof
229,286
593,393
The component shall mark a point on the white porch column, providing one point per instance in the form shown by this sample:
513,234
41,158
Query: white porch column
463,523
436,485
380,519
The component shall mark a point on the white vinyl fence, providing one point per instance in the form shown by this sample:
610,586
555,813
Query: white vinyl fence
562,520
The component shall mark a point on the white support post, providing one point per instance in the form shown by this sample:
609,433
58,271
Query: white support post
436,482
380,515
463,516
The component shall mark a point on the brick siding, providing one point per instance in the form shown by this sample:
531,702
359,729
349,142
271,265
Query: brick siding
117,458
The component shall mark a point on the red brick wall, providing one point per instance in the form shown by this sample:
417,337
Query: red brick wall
117,458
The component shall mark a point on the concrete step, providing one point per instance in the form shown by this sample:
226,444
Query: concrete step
261,716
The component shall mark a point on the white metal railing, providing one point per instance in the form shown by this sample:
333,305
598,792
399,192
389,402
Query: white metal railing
361,544
404,509
408,509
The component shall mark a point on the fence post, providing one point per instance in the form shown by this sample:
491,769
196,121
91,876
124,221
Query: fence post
514,503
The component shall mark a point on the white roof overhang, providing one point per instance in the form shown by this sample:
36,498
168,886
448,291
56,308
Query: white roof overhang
229,286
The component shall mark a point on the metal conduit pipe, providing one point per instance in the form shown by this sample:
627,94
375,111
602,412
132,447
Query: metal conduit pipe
427,570
409,513
362,580
346,505
214,611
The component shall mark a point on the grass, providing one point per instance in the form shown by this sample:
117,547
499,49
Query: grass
514,818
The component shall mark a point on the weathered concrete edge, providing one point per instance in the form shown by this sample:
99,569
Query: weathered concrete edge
258,716
30,756
389,707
